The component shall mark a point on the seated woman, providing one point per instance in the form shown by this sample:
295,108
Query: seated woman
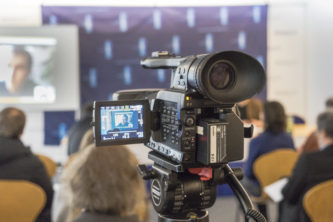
251,110
62,196
274,137
105,186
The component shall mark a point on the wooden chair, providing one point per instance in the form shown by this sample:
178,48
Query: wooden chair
20,201
318,202
269,168
50,165
273,166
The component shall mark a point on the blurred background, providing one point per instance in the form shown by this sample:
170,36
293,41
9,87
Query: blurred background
86,50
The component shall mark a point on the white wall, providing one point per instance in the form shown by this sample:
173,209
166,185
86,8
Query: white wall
319,56
302,58
299,58
286,56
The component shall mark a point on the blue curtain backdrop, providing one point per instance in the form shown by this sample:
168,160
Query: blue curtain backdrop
114,39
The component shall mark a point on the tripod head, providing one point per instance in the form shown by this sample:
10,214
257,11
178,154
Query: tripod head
184,195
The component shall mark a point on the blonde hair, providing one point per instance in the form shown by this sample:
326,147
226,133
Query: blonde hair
104,179
87,139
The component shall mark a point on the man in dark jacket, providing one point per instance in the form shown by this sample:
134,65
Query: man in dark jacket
310,170
78,130
17,161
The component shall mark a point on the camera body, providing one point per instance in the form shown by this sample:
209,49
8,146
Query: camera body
193,123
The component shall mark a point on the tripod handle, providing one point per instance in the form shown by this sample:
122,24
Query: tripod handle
238,172
242,196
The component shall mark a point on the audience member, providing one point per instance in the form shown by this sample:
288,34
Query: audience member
77,131
311,143
329,104
310,170
87,139
106,186
17,161
274,137
63,196
251,111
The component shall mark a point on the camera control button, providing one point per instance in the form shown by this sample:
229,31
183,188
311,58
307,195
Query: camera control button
189,121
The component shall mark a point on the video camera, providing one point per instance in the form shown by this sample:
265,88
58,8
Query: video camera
192,128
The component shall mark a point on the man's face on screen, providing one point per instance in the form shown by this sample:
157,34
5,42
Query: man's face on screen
20,72
124,119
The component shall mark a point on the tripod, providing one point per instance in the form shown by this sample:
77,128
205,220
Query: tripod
183,197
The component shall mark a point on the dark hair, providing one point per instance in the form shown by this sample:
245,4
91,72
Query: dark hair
325,122
275,117
12,122
253,109
22,51
86,110
329,102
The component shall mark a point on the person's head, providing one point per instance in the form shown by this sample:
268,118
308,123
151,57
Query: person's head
329,104
325,129
20,63
87,139
105,180
12,122
124,119
254,109
275,119
87,110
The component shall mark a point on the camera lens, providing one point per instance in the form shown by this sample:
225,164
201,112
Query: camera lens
220,75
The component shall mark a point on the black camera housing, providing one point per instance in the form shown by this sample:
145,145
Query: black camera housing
193,123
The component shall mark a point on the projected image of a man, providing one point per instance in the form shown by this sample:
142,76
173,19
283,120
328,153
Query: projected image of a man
19,83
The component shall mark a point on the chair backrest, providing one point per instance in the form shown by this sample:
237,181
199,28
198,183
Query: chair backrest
50,165
20,201
273,166
318,202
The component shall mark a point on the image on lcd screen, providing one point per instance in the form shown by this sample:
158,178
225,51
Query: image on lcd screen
122,122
